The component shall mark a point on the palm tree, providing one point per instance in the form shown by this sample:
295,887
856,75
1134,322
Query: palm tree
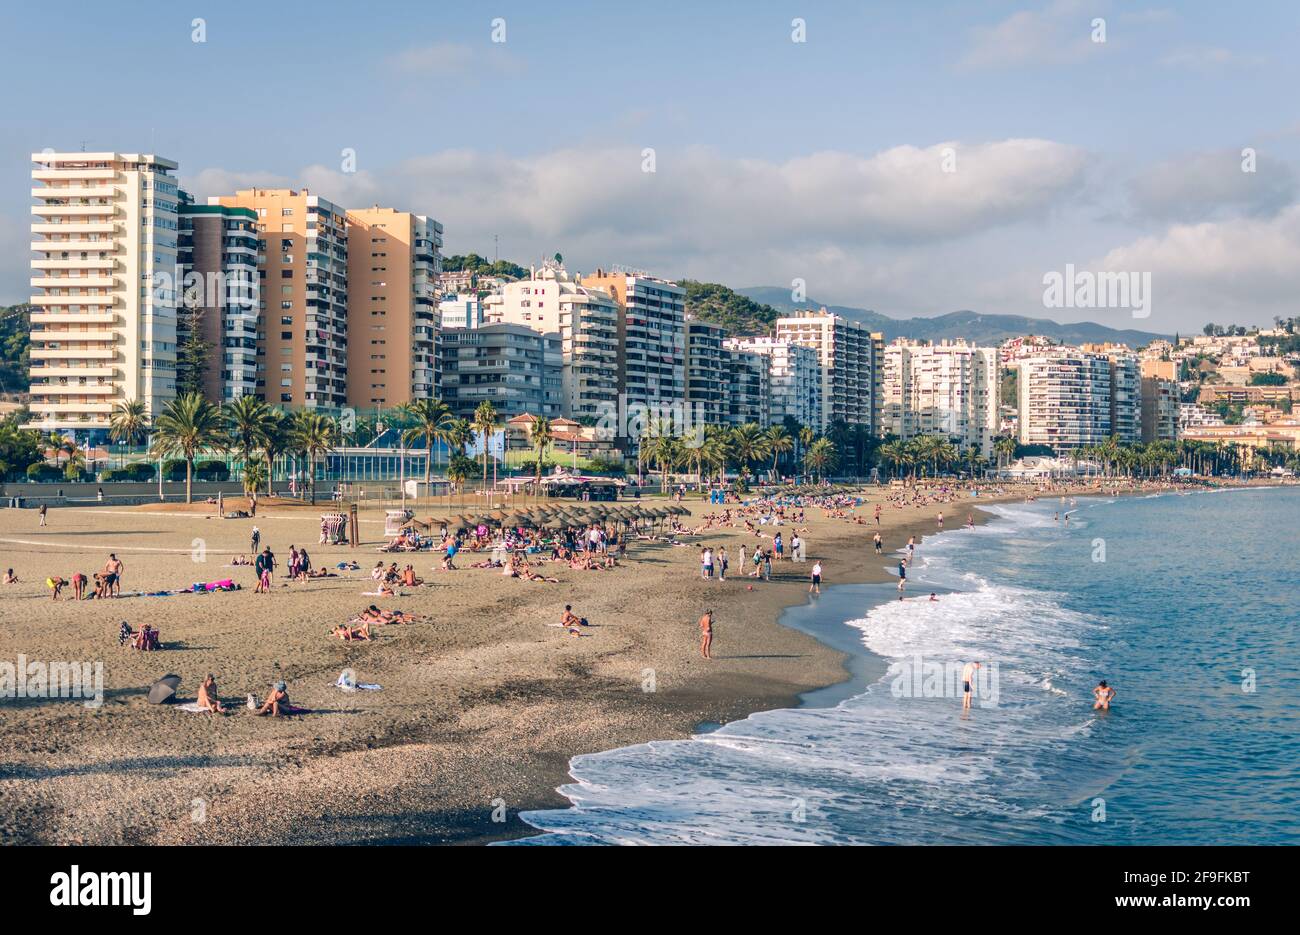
485,423
748,444
1005,446
896,453
129,423
658,447
188,425
821,456
431,417
247,422
778,442
315,435
277,439
254,476
540,432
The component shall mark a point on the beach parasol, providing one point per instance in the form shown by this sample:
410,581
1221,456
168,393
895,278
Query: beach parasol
164,690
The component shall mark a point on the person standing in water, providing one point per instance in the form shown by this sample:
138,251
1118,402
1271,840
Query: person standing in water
967,683
1103,694
816,586
902,575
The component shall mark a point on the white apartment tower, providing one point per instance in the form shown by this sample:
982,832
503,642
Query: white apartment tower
104,323
948,389
847,352
586,319
1065,399
794,378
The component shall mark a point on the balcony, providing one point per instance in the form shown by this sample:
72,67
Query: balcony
74,264
75,246
73,353
75,211
73,372
74,175
74,389
74,318
104,408
73,282
105,227
76,191
48,300
97,337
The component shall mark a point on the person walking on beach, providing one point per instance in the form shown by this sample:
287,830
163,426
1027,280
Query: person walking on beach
1103,694
706,563
816,586
902,574
967,681
878,543
877,514
706,634
767,566
722,563
42,512
255,541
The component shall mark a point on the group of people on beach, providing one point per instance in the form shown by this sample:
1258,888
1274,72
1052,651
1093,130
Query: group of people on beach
107,582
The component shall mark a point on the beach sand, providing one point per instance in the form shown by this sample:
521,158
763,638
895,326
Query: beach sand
481,708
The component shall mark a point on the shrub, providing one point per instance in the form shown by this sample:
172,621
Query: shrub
174,469
605,466
212,470
139,471
41,471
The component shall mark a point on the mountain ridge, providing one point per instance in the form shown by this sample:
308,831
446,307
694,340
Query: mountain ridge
978,327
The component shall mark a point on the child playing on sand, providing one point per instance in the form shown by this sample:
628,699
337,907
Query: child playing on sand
55,584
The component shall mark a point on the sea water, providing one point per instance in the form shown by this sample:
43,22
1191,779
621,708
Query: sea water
1188,605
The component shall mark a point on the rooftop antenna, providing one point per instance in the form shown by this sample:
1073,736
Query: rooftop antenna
496,248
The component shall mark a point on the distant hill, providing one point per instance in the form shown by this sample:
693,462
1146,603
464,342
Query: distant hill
714,302
15,323
973,326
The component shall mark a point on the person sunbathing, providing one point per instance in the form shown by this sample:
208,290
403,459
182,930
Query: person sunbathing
348,633
240,560
277,703
409,579
208,697
375,615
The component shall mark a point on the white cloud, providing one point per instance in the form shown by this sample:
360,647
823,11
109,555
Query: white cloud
1241,270
1059,34
1208,185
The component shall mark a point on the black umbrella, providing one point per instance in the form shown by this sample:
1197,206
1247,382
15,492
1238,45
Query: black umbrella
164,689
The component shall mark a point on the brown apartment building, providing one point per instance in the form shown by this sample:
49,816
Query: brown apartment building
302,341
393,266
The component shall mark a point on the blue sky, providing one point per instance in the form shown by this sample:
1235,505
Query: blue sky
774,160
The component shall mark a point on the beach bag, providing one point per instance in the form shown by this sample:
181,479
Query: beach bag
251,704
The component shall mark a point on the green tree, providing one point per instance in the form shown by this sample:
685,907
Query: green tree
485,423
541,436
432,418
188,425
315,435
821,457
777,441
129,422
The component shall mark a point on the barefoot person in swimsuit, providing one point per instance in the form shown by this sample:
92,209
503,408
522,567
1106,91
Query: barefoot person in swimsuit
1103,694
706,634
967,683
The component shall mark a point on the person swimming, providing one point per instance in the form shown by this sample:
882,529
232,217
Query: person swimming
1103,694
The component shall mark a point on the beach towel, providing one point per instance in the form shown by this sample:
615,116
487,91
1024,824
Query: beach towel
192,706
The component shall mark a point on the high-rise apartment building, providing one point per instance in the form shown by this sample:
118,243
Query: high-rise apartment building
104,326
393,261
651,337
847,353
1160,401
513,367
1065,399
586,319
794,378
948,389
302,345
217,304
748,393
1125,398
706,372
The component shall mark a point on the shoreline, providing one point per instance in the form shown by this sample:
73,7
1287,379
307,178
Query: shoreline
485,703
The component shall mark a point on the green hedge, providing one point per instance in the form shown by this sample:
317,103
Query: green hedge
41,471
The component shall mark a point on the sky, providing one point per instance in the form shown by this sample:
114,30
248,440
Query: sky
911,158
